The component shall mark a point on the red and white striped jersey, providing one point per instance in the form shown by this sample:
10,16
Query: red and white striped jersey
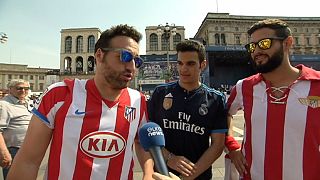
282,141
92,137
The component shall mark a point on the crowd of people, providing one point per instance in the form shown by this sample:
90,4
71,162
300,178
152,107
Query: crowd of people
92,124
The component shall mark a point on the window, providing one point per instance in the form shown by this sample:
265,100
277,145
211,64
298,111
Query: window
79,44
308,41
296,39
68,44
41,77
237,40
91,64
9,76
223,39
31,77
217,39
91,43
307,30
176,39
216,28
295,30
222,28
31,86
318,40
236,28
40,86
153,42
67,64
20,76
165,44
79,64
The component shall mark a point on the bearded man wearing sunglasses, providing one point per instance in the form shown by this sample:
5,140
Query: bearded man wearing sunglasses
14,121
281,105
92,124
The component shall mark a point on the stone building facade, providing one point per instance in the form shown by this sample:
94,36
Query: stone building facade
225,36
156,41
223,29
77,52
39,78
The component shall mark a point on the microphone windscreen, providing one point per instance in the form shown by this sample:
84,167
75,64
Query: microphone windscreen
150,134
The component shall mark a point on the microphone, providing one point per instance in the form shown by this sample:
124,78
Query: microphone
152,140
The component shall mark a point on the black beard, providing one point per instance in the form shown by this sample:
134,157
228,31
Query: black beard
273,63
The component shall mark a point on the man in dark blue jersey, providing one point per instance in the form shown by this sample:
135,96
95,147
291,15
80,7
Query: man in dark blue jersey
190,114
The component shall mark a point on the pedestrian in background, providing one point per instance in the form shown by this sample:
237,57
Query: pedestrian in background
14,121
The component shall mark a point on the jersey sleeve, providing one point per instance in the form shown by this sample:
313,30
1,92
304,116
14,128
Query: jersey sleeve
49,103
235,102
220,123
152,104
144,111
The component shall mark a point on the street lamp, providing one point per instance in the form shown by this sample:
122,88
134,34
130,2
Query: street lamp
3,37
167,31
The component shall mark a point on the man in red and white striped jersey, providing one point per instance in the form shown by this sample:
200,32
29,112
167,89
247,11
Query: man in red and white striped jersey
92,124
281,107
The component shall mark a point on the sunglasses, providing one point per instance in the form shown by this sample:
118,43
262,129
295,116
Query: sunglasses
126,56
21,88
262,44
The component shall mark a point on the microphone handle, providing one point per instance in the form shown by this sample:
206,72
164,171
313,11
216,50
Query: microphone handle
158,159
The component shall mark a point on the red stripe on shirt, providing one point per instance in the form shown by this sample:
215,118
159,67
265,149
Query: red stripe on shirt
247,94
130,175
274,139
56,144
311,149
90,124
122,127
143,108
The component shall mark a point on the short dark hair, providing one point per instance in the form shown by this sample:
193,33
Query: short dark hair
281,28
119,30
192,45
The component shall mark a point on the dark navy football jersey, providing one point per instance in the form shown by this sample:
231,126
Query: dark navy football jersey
188,118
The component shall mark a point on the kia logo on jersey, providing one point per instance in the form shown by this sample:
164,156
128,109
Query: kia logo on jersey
105,144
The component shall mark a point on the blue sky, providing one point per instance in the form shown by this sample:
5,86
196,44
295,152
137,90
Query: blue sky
33,26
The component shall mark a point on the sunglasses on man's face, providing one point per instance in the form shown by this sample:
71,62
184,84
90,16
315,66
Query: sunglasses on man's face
262,44
21,88
126,56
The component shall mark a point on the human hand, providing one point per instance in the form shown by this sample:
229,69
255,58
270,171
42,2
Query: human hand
158,176
239,161
183,165
5,159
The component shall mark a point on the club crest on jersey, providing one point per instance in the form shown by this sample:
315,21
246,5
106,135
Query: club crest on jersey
130,113
167,101
203,110
105,144
311,101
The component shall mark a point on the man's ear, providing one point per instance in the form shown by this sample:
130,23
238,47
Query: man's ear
203,64
288,42
99,55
